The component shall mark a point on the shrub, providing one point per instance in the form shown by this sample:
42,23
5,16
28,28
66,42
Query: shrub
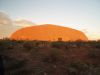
38,70
53,57
28,45
13,65
83,69
95,44
6,45
94,54
58,44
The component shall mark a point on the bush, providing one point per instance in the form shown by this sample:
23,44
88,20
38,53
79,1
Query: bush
94,54
58,44
83,69
6,45
53,57
95,44
38,70
28,45
13,66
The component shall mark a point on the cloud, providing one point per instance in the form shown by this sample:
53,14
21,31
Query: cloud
8,26
7,30
5,19
24,23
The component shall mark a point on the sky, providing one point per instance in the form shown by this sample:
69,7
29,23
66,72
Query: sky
83,15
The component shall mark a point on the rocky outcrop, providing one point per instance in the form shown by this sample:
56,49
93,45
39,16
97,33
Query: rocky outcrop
49,32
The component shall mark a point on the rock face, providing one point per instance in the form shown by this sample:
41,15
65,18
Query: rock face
48,32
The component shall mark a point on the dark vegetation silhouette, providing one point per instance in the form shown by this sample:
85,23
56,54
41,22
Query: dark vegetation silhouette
1,66
23,57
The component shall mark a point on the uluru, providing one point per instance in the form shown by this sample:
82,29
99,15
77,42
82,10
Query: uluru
48,32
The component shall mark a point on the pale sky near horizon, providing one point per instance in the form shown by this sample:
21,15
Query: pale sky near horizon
83,15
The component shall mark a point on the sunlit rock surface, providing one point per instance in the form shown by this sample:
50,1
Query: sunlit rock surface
48,32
